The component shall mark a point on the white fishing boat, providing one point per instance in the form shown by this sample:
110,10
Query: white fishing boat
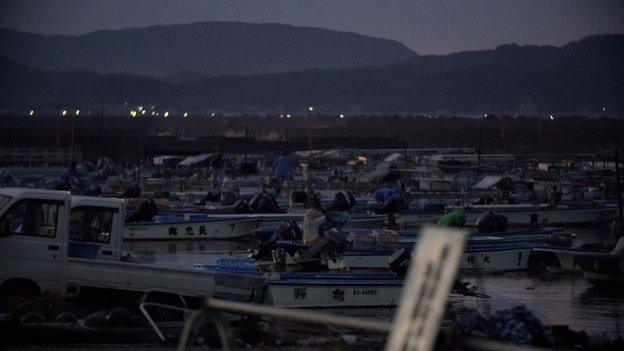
355,220
486,259
520,214
334,290
218,228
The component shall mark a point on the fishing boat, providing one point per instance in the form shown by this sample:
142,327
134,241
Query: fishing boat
355,220
489,258
334,289
215,228
519,214
326,289
409,237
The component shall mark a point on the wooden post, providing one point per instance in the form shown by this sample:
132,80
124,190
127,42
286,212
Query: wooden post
618,184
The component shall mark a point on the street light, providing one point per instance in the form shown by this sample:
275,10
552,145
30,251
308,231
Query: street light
185,114
77,112
64,113
31,113
551,117
310,108
166,114
341,116
288,116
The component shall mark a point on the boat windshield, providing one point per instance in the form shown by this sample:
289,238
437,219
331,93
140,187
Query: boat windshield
4,199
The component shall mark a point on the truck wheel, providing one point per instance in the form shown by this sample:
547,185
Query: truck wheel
20,288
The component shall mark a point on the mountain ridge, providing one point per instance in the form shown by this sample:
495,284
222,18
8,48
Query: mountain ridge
582,77
212,48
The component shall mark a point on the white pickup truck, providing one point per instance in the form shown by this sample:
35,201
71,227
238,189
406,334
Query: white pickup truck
51,240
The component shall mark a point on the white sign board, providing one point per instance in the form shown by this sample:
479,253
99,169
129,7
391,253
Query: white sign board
430,278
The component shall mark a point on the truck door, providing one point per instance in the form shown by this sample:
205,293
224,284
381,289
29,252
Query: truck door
90,234
31,237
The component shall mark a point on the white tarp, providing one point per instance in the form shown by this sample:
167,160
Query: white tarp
193,160
488,182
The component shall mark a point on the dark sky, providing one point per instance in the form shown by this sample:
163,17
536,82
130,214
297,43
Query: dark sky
429,27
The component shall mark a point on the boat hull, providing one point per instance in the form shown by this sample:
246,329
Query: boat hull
488,260
602,269
210,230
523,216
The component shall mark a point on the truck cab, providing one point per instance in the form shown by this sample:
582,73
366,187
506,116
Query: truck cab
41,229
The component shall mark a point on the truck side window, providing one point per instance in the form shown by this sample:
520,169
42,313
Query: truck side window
32,218
91,224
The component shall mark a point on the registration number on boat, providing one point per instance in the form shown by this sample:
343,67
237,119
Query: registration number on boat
365,292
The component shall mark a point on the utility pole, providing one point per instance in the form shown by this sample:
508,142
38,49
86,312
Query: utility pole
618,184
502,127
539,131
310,110
479,145
245,144
58,126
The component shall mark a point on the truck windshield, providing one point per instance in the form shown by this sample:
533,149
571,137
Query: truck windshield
4,200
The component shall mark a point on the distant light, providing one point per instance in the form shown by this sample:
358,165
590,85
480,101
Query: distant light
185,114
281,116
213,114
341,115
485,115
288,115
77,112
133,113
64,113
153,113
31,113
166,114
551,117
139,108
310,108
604,109
142,112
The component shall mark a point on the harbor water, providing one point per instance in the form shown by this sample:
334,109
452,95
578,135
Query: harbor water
556,299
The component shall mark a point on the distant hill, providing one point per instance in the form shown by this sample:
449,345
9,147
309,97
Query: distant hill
581,77
212,48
